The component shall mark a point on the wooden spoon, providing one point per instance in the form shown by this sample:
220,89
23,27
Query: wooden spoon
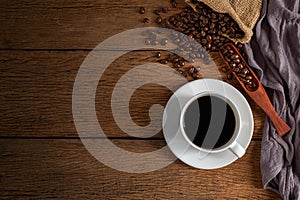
251,84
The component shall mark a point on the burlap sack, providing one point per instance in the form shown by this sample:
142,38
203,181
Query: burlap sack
244,12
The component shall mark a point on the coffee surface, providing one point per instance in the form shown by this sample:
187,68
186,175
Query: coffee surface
209,122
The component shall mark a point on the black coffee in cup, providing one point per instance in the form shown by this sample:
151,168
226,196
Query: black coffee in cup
209,122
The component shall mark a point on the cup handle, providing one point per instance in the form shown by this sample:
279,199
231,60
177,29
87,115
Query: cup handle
237,149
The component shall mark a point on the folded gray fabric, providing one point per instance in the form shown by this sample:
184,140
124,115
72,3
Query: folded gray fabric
274,52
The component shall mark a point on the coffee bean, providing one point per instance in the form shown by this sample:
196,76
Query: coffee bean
142,10
203,41
249,77
239,45
223,29
175,60
164,9
154,42
185,73
146,20
193,55
191,70
177,65
242,75
158,20
224,69
227,59
237,60
208,46
151,33
245,71
241,66
236,69
164,61
164,42
226,18
158,55
166,23
174,4
212,25
181,63
179,24
169,58
177,40
235,56
229,76
233,65
147,41
208,38
157,12
197,68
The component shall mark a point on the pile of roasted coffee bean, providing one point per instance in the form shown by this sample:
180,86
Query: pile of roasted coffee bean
208,28
238,66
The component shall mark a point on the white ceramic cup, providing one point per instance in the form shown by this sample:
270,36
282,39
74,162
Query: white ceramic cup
232,144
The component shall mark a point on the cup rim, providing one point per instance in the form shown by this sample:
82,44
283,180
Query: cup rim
237,129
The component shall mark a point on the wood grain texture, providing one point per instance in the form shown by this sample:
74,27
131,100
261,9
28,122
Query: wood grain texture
42,45
36,93
39,168
71,24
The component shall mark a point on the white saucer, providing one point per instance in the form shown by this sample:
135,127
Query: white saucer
176,141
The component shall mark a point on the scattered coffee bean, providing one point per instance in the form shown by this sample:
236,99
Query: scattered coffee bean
229,76
164,61
158,20
175,60
146,20
207,27
185,74
191,70
142,10
224,69
197,68
173,3
164,42
181,63
164,9
169,58
147,41
177,65
154,42
158,55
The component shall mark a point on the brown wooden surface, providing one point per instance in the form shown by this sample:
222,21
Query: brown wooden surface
36,89
38,168
42,45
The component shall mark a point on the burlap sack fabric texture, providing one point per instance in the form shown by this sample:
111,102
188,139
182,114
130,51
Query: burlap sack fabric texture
244,12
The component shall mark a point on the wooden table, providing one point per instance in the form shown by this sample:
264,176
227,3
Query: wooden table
42,45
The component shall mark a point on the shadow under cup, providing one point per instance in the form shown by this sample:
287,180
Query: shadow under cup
210,122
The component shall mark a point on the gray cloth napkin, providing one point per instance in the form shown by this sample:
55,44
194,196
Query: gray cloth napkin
274,52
